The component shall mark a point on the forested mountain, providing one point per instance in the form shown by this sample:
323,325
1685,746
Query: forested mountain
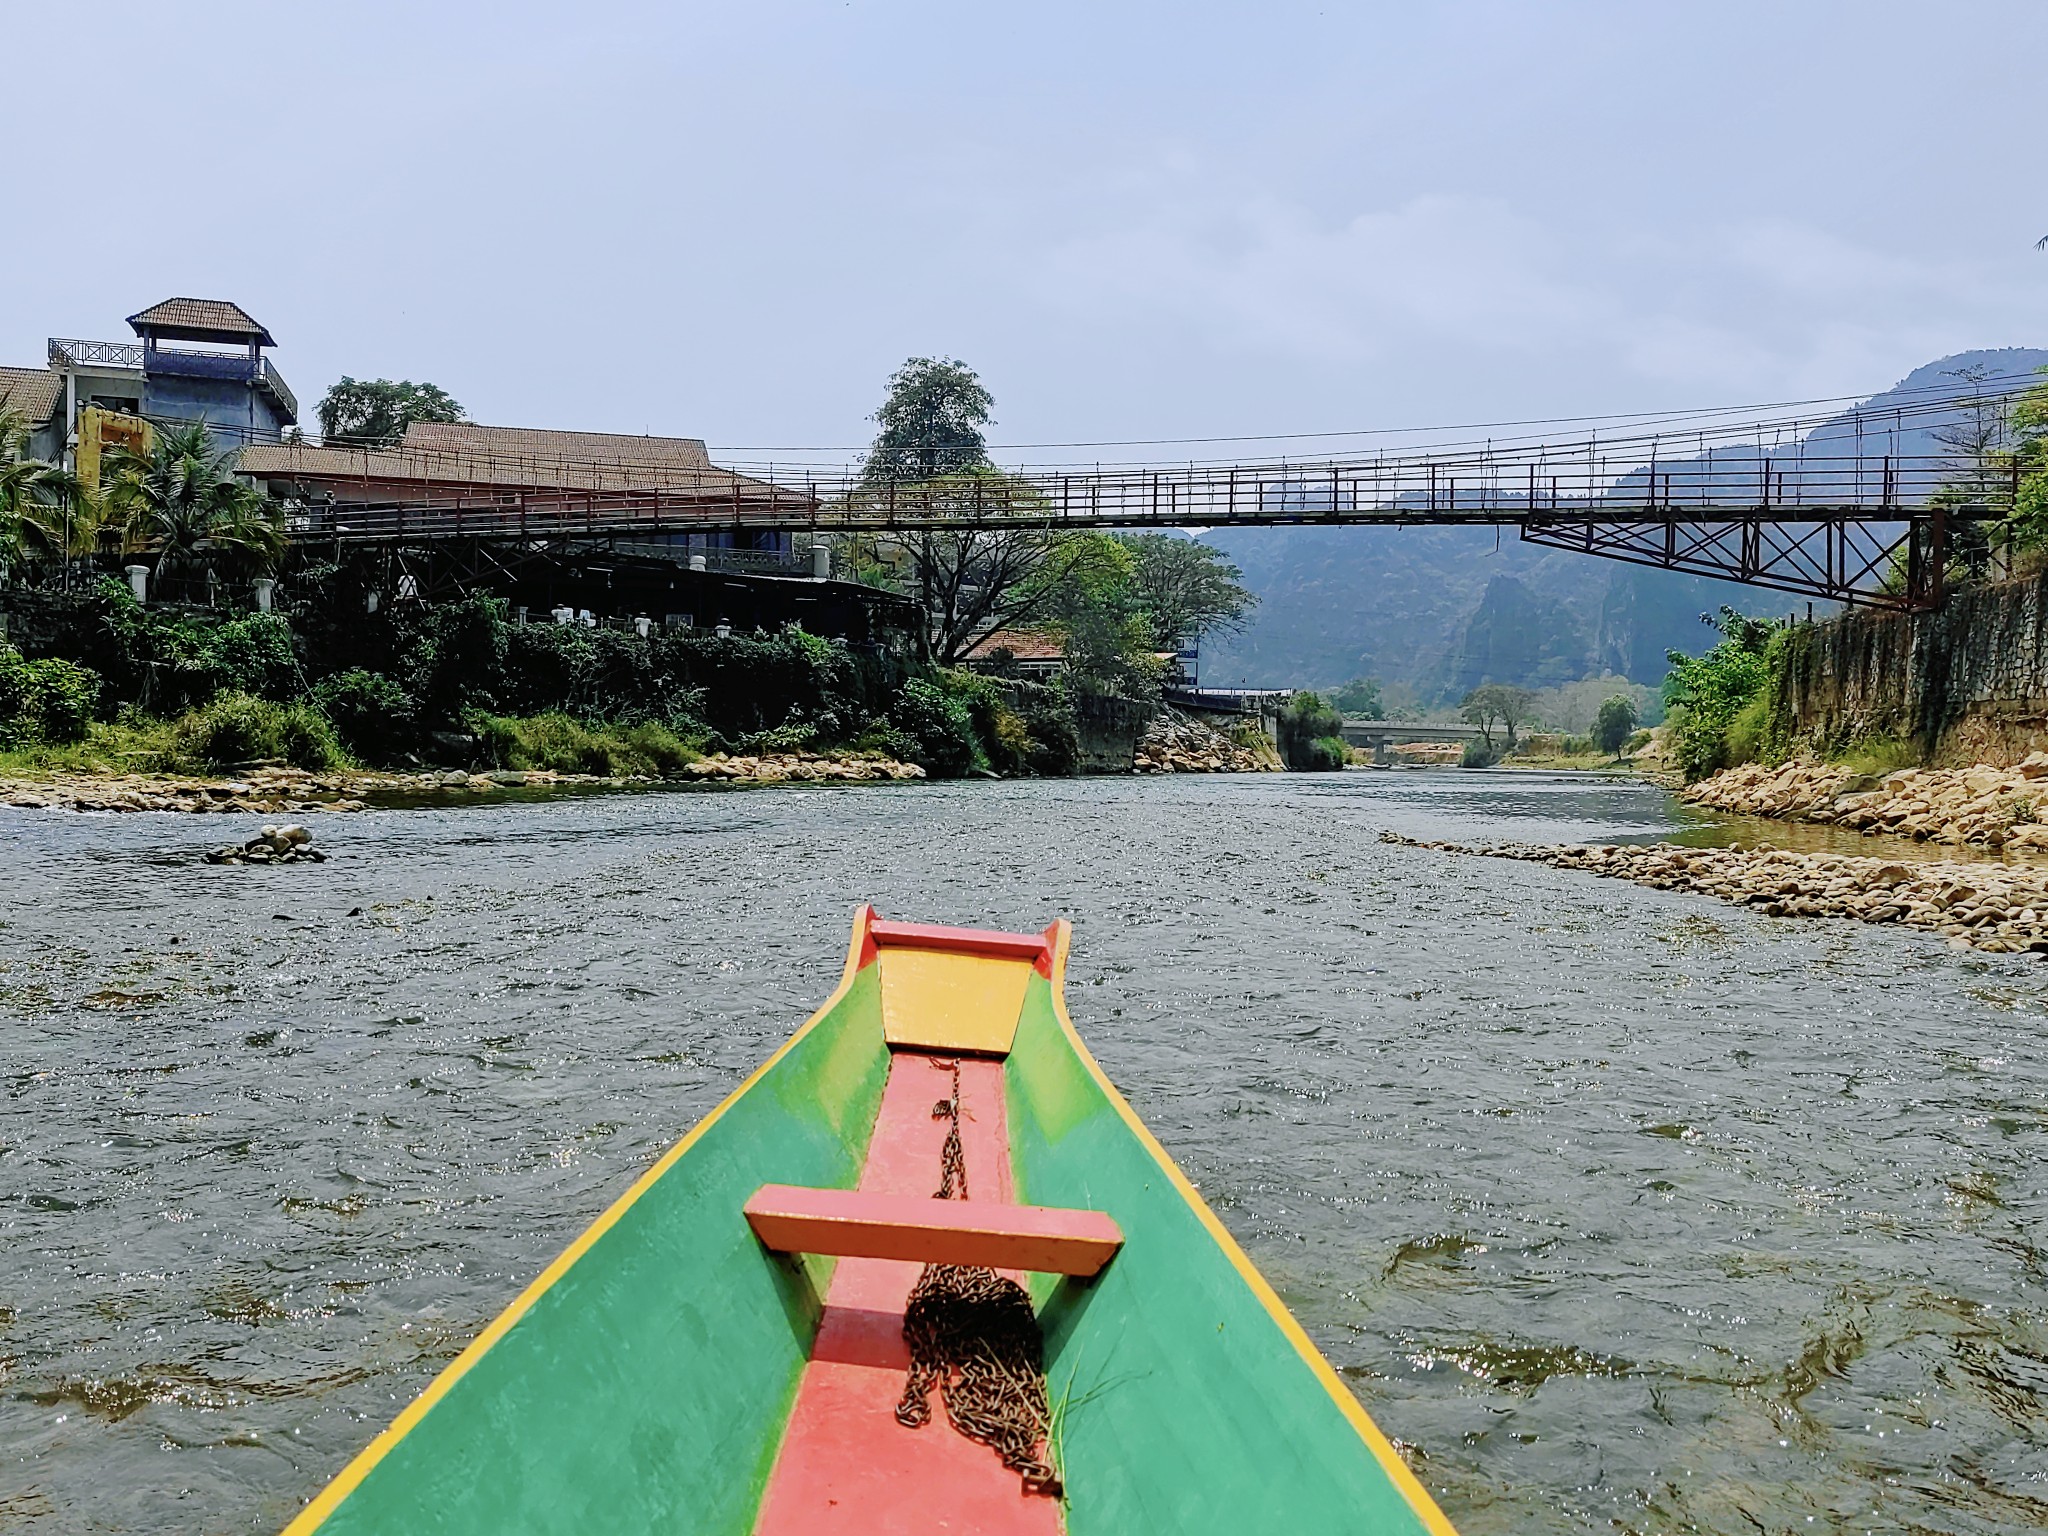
1441,610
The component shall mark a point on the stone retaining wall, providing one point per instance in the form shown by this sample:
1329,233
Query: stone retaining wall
1969,682
1109,730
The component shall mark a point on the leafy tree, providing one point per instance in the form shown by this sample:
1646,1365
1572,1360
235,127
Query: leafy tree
1007,571
1615,723
1185,587
931,423
374,717
1097,610
1360,699
1710,694
374,413
2027,526
1493,706
179,498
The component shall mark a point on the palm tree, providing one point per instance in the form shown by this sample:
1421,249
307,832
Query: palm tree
179,499
35,496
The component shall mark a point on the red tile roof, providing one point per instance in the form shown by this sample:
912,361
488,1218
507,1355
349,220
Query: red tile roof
1024,644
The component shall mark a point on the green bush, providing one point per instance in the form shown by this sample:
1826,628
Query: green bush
1747,736
1477,754
1311,739
792,736
1720,707
1324,754
253,654
240,728
561,743
375,718
940,726
1019,727
48,702
1053,748
880,736
450,656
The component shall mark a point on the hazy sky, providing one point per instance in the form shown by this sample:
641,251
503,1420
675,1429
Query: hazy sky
1136,221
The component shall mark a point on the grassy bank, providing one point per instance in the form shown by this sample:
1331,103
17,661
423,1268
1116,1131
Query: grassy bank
236,732
561,744
231,731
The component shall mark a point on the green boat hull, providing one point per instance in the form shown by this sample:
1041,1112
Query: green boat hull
646,1381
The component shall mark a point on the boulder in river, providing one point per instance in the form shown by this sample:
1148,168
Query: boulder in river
286,844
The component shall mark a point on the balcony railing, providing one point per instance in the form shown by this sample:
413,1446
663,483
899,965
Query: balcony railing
67,352
177,363
273,381
70,352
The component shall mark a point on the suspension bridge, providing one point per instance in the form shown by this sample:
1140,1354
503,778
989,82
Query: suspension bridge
1856,507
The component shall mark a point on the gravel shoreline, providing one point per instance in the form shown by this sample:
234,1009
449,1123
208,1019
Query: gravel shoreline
1981,806
276,790
2000,909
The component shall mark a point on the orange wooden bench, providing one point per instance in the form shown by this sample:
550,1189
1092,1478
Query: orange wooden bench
850,1224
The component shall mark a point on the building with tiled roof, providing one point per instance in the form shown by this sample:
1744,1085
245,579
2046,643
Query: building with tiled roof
461,478
34,394
200,320
441,456
1032,653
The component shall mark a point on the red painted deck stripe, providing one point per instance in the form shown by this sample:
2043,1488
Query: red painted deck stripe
1035,947
855,1223
846,1465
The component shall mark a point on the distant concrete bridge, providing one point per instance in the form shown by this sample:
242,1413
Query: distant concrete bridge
1382,734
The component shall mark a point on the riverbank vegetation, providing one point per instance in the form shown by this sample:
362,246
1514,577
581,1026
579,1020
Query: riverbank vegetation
1311,734
1719,702
184,686
459,683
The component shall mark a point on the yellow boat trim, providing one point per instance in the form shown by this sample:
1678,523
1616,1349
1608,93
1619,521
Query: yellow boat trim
1383,1450
937,1000
345,1481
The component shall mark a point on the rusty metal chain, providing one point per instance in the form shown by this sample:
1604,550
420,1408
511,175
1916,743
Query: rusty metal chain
972,1333
952,1159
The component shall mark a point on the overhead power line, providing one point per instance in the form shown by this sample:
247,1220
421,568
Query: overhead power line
1996,385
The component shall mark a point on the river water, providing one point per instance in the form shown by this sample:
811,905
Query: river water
1622,1210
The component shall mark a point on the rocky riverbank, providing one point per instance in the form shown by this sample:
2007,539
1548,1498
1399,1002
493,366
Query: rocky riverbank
279,790
1981,806
802,767
2002,909
1180,743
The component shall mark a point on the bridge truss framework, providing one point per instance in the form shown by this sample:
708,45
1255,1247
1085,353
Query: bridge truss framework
1815,515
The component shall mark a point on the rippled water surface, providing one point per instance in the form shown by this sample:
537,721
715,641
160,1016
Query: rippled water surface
1623,1210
